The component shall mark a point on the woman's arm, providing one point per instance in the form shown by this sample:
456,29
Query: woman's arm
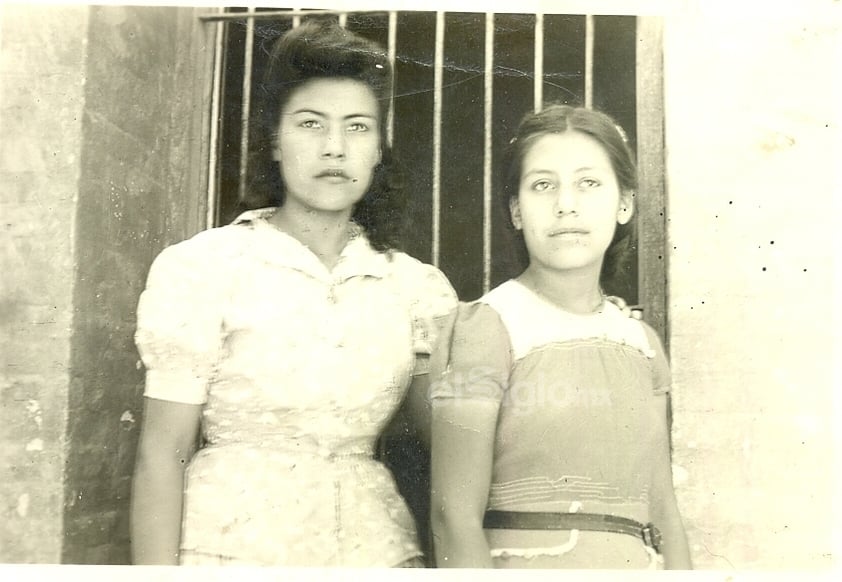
664,507
167,443
463,433
414,416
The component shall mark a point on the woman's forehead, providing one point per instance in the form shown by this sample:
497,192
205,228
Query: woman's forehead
335,97
570,148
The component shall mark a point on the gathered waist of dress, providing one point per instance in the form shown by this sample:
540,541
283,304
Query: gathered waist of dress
555,494
300,449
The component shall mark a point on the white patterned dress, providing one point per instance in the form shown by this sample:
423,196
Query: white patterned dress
298,369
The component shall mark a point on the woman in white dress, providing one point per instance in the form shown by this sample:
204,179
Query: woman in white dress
288,339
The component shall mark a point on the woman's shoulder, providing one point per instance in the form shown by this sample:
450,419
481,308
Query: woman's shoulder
492,308
205,248
421,279
505,294
408,266
653,338
480,318
476,340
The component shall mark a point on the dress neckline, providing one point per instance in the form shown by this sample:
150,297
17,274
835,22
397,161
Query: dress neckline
539,298
357,257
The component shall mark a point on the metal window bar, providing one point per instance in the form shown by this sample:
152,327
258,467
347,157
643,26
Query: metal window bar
393,51
246,109
251,15
538,85
212,215
589,38
438,70
488,85
294,14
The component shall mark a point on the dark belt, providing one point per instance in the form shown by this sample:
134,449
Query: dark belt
540,520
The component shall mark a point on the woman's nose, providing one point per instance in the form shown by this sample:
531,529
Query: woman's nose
334,144
565,201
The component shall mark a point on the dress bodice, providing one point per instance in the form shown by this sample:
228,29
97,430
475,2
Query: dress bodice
298,369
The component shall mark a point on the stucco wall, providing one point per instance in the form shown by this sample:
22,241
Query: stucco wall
102,122
134,198
41,102
751,119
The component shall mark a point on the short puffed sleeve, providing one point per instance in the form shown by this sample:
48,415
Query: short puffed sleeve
432,298
661,375
179,323
473,358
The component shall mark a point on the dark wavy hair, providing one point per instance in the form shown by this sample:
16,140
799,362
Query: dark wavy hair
558,118
317,49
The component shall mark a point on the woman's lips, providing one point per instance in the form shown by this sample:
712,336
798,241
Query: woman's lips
568,232
333,175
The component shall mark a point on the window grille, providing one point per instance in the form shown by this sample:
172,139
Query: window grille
461,83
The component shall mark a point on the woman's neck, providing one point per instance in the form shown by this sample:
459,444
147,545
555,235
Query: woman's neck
325,234
576,291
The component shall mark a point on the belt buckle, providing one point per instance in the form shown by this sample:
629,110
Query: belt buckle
651,536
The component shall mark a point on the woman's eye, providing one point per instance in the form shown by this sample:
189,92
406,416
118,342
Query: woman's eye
311,124
542,186
358,127
589,183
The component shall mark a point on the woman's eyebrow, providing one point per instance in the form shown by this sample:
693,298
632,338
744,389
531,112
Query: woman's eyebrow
576,171
307,111
538,171
323,114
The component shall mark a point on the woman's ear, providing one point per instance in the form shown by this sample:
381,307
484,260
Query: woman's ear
276,148
514,210
626,210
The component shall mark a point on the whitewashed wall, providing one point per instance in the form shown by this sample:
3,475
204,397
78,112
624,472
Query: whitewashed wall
752,129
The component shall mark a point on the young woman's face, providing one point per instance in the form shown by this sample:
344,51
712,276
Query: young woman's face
569,201
328,143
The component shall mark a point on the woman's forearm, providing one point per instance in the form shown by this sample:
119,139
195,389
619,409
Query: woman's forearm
156,509
664,509
674,546
675,550
459,541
